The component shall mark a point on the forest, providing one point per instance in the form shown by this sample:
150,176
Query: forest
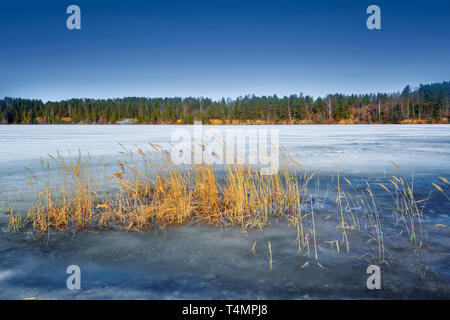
426,104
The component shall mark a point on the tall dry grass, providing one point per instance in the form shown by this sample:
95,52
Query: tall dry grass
152,192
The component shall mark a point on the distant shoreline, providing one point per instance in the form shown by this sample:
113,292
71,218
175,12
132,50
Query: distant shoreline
221,124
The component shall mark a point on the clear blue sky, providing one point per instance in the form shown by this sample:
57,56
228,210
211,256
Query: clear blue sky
219,48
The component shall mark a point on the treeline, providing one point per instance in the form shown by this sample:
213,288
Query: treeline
427,104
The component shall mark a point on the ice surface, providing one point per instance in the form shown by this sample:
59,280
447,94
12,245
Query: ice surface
199,262
351,147
204,262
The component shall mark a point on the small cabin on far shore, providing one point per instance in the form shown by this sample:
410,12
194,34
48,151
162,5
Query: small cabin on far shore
126,121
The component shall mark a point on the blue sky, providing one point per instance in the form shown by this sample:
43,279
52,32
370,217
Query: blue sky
219,48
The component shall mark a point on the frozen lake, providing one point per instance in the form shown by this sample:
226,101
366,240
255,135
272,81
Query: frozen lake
356,150
204,262
352,148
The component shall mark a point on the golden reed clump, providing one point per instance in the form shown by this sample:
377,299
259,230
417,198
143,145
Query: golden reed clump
152,191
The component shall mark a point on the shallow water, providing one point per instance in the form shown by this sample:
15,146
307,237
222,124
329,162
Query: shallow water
204,262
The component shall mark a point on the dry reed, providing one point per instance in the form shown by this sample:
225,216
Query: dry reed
153,192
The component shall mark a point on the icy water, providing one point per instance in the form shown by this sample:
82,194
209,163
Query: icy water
199,262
